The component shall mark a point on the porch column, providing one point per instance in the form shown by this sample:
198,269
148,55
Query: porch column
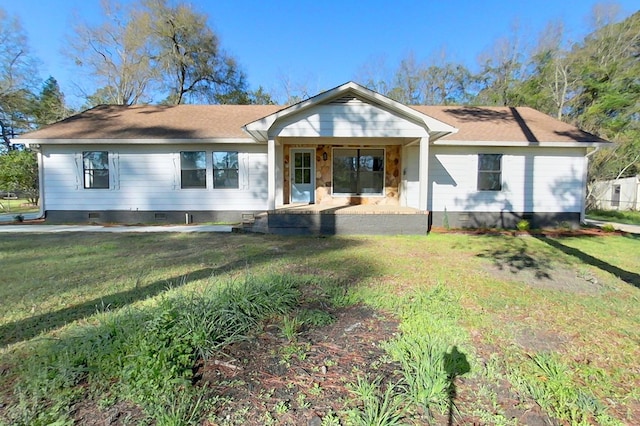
271,174
423,176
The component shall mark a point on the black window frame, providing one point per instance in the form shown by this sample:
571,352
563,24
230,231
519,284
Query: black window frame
225,177
95,175
489,177
356,183
188,174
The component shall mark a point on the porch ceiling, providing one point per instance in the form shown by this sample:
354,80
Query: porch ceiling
293,140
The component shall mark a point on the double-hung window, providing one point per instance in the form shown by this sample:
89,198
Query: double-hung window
95,169
358,171
193,169
225,169
489,172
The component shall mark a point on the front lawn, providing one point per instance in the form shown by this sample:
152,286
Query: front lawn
234,329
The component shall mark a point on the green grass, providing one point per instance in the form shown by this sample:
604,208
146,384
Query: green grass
620,216
126,315
17,206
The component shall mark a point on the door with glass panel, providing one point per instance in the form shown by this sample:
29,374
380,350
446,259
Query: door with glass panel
302,175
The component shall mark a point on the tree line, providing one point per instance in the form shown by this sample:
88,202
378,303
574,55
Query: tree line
164,52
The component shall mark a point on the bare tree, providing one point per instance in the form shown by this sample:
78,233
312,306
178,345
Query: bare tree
115,56
189,57
17,79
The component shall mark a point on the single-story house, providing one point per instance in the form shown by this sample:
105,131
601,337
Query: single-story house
346,160
617,194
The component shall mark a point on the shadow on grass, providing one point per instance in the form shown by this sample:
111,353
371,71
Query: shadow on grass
31,327
515,255
28,328
626,276
455,364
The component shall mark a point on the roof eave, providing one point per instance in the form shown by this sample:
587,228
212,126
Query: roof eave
551,144
131,141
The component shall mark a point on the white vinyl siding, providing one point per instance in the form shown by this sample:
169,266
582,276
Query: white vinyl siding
147,178
533,179
360,120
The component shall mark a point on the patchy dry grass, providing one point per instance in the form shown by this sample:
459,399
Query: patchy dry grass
492,329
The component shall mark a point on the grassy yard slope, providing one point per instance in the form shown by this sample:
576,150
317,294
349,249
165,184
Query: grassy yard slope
492,329
620,216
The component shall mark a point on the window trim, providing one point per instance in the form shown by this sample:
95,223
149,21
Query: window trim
236,169
481,172
182,169
88,172
359,194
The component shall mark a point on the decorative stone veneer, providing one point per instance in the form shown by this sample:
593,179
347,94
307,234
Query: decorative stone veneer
392,178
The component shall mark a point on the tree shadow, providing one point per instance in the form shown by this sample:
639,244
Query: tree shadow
455,364
30,327
629,277
514,254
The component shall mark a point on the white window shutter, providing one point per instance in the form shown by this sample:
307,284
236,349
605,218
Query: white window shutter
115,170
244,170
79,170
176,170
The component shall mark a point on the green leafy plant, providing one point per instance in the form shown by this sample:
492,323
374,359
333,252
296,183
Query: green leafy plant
376,406
330,419
607,227
290,327
550,383
315,317
523,225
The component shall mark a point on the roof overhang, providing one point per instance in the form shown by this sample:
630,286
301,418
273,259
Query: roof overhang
259,129
549,144
29,142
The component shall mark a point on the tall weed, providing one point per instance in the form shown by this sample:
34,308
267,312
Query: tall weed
147,352
550,383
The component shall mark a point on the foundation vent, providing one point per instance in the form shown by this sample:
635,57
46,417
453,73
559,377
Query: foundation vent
94,215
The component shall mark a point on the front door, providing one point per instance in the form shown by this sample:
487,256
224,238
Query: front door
303,175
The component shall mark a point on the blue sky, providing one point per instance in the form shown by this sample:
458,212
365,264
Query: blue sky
323,43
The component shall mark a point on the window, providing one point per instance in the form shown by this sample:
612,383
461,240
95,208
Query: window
489,172
358,171
225,169
193,169
95,166
615,198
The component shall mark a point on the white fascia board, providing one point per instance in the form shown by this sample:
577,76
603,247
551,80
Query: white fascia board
259,128
132,141
563,144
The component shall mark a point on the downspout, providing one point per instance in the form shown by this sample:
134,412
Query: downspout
583,213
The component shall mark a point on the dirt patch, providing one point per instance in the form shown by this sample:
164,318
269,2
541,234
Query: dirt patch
299,381
550,277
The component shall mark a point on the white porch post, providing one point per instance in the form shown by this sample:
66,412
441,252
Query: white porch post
271,174
423,175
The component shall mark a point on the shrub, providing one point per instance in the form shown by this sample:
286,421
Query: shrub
607,227
523,225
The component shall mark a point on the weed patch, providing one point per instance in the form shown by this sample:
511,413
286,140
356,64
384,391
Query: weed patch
148,352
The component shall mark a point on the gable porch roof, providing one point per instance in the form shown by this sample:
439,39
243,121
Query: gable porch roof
260,129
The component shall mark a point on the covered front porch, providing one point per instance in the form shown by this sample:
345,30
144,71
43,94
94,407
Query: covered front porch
359,161
325,219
